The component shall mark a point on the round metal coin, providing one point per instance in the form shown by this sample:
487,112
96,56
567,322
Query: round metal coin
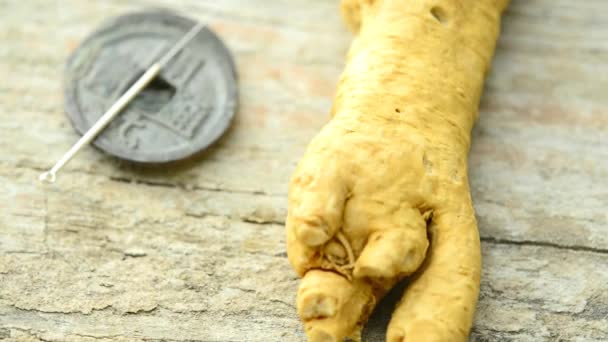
184,110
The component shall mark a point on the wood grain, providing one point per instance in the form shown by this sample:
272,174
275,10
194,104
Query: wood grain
196,251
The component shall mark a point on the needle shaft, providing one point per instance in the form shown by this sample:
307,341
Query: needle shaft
120,104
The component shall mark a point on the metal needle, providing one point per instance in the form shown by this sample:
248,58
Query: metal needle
51,175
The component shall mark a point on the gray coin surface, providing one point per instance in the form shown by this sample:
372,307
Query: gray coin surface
184,110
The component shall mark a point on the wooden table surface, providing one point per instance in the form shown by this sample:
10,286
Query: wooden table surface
196,251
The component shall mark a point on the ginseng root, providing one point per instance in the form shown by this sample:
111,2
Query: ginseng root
382,192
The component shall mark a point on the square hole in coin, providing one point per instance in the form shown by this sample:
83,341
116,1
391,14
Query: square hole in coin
154,96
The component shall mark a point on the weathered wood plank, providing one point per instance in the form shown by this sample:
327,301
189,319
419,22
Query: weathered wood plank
164,257
196,251
526,96
215,279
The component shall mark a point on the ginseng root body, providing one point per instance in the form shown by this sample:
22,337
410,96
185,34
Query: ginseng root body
382,192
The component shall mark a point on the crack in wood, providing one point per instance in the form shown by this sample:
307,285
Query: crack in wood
263,221
37,334
500,241
107,307
189,187
181,186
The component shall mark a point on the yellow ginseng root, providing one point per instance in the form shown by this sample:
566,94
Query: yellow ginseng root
382,192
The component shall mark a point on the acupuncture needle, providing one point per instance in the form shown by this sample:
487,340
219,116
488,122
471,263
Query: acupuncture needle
141,83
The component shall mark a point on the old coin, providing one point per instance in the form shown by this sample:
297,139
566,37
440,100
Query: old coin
184,110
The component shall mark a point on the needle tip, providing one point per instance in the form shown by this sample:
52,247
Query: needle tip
48,177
